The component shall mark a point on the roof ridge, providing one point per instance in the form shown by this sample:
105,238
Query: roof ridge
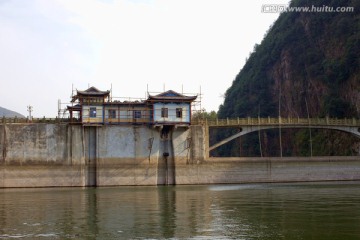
174,93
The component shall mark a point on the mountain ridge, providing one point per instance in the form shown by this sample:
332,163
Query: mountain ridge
4,112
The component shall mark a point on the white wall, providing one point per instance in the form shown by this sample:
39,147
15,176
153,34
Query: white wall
172,112
86,114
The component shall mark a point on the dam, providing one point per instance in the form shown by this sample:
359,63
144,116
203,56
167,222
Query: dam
106,142
59,155
39,155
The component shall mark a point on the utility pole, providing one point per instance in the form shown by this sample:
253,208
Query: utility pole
308,115
259,132
30,109
280,142
59,108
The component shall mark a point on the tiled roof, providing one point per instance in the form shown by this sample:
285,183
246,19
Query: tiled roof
171,95
93,91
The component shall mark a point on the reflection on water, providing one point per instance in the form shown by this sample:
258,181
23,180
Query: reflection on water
248,211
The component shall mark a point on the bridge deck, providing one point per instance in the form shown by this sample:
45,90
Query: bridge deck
351,122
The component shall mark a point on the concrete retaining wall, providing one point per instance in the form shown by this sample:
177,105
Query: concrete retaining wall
44,155
41,155
256,170
127,155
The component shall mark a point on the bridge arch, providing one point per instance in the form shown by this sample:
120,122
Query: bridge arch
345,125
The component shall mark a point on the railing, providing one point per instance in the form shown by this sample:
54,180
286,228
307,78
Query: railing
37,120
277,121
221,122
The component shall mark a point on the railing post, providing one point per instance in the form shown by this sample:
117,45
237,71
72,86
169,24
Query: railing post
269,120
238,121
227,121
217,121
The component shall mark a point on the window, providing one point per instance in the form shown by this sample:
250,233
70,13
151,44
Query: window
179,112
137,114
93,112
164,112
112,113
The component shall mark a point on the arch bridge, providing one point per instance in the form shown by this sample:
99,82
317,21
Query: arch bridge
248,125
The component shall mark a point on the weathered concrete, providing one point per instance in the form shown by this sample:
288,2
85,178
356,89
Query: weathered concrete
199,144
41,176
252,170
126,155
33,144
41,155
44,155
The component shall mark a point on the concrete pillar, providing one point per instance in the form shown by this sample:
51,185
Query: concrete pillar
166,161
2,143
206,141
91,155
200,143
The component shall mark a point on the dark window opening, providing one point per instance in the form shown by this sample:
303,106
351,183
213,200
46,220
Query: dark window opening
137,114
112,113
93,112
179,112
164,112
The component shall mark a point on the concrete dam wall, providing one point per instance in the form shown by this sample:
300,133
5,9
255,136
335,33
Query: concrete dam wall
40,155
46,155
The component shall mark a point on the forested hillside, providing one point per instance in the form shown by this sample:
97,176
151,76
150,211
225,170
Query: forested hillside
307,65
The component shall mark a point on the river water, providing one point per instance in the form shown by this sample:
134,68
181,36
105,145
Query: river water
247,211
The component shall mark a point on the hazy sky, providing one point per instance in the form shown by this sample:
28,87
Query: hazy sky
48,46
